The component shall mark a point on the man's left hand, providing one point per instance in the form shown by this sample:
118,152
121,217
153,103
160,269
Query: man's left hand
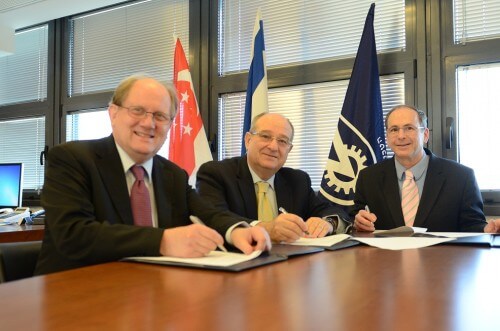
318,227
493,226
251,239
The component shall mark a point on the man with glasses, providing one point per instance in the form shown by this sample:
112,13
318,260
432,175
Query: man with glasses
293,208
415,187
111,198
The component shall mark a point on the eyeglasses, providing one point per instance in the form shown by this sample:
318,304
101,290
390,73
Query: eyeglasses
407,130
267,138
140,113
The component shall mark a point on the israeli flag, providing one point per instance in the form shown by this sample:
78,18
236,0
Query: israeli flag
256,99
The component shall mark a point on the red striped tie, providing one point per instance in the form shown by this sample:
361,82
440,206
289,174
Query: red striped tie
409,198
139,199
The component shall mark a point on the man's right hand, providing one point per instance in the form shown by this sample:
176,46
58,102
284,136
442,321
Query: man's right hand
285,228
365,221
193,240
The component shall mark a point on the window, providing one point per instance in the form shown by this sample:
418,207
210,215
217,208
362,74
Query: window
109,45
303,31
22,140
313,109
138,39
310,46
476,20
23,75
479,116
23,96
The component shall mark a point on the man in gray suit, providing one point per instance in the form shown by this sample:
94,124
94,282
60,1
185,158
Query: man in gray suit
86,195
446,195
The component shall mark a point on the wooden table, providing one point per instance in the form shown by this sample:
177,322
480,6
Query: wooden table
17,233
363,288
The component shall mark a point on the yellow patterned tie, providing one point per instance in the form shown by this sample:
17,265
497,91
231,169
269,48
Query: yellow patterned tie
265,212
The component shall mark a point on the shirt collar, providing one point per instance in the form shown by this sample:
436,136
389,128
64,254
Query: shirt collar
418,169
257,179
127,162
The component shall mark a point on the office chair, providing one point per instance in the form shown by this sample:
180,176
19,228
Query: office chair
18,260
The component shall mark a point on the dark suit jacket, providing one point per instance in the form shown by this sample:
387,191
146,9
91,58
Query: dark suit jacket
450,201
228,184
88,213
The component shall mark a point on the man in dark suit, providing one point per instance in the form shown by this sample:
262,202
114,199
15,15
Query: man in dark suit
232,184
447,196
89,215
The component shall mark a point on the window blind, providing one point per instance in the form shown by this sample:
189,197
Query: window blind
109,45
301,31
313,109
23,75
476,20
22,140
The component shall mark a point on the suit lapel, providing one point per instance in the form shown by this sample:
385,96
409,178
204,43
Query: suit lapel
389,184
282,199
107,161
163,192
434,181
247,189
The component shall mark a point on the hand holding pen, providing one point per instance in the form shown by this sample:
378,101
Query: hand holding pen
197,220
365,220
285,228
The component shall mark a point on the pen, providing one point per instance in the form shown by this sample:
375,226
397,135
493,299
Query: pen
196,220
367,208
283,211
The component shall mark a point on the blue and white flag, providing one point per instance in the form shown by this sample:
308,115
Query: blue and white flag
359,140
256,99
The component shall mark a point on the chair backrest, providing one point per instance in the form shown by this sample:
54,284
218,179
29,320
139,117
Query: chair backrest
18,260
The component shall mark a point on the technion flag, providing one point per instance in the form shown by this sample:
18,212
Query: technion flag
256,99
359,140
188,142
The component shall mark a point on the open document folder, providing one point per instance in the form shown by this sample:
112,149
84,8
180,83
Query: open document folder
395,239
214,260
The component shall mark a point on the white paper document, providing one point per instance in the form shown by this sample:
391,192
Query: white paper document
397,243
321,242
214,258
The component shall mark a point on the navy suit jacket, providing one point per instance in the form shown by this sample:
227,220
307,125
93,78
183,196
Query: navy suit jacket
450,200
88,214
228,184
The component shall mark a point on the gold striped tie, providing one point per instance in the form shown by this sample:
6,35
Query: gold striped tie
409,198
265,212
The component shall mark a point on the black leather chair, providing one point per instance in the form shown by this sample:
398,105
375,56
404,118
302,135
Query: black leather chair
18,260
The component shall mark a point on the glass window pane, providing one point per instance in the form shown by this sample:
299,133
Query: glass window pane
108,45
23,140
23,75
478,118
313,110
301,31
94,124
476,20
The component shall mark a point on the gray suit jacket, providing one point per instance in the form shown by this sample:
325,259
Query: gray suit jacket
450,201
88,213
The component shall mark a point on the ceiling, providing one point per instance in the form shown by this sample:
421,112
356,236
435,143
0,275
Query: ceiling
16,14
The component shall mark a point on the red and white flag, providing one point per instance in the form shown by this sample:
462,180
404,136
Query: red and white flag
188,142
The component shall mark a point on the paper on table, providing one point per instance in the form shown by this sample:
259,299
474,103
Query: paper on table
214,258
397,243
457,234
321,242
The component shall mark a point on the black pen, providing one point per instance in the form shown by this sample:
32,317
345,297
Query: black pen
283,211
196,220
